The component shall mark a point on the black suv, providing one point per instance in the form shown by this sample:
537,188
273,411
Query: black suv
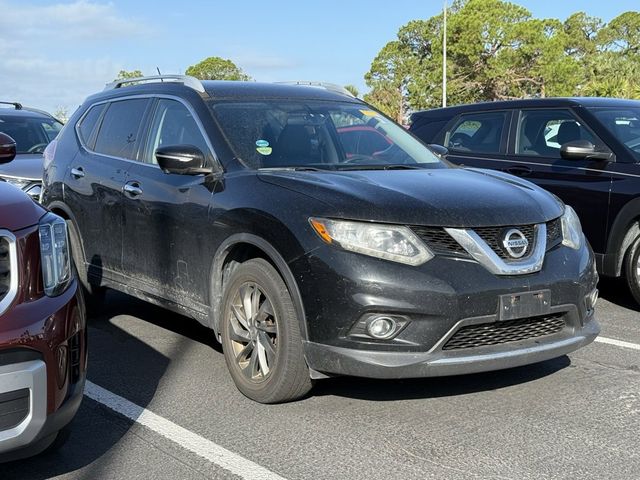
251,208
585,150
32,130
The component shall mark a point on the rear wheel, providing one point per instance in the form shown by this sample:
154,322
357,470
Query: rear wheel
632,269
261,335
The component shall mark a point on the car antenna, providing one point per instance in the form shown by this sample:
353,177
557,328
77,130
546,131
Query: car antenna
158,69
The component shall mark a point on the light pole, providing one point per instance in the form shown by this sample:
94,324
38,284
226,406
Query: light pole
444,57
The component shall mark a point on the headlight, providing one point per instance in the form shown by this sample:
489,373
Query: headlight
572,235
395,243
18,182
54,253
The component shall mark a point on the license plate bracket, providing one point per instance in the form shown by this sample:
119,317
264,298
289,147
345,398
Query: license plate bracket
523,305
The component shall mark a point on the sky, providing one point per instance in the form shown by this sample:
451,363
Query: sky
53,53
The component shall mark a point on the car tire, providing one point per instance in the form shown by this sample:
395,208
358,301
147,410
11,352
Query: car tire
632,269
261,335
93,295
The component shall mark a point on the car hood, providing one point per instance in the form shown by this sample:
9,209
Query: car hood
17,210
450,197
24,166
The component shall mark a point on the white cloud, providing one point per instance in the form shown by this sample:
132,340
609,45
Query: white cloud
55,55
80,19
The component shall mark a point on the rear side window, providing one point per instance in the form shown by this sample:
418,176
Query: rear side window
428,131
477,133
118,135
88,123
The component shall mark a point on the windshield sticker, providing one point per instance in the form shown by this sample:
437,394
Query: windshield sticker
373,114
262,143
264,150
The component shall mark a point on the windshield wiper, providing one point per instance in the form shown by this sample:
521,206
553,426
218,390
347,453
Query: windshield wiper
301,168
380,167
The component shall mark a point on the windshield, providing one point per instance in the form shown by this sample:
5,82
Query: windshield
624,124
31,135
314,135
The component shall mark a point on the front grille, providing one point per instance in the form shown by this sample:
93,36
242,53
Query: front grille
497,333
14,408
494,236
5,267
439,241
554,233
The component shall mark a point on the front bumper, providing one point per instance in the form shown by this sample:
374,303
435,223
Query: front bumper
30,378
339,289
377,364
42,371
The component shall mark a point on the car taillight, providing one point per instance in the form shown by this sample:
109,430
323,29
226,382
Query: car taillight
49,153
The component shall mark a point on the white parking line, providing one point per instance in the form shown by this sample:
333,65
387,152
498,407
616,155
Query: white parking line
203,447
618,343
207,449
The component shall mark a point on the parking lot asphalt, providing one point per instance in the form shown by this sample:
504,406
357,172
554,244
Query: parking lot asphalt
160,404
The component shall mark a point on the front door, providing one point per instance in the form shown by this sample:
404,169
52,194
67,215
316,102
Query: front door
164,214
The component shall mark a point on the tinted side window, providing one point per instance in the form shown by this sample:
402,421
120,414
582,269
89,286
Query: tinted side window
118,135
173,124
477,133
89,122
541,133
428,131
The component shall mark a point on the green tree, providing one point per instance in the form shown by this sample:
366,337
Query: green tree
352,89
216,68
124,74
496,50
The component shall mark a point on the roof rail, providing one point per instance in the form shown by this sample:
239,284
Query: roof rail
332,87
186,80
16,105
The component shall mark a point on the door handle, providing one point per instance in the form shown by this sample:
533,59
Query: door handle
77,172
133,189
519,171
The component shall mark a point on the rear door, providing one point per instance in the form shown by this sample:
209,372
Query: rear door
164,213
109,133
478,139
534,154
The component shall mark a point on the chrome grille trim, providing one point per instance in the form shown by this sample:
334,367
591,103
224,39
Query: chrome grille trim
485,256
11,294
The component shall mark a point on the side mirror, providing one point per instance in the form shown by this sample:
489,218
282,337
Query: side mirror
439,150
583,150
182,160
7,148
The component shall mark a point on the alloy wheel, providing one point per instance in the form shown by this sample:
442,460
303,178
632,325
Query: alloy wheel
253,332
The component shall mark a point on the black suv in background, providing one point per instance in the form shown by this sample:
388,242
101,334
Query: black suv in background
584,150
314,235
32,130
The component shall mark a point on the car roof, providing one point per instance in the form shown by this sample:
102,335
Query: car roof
24,113
219,89
526,103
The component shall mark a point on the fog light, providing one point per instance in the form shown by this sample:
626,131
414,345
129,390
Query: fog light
381,327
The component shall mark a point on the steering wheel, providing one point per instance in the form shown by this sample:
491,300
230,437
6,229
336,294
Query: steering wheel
38,148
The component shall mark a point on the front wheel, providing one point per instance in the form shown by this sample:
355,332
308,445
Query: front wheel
632,269
261,335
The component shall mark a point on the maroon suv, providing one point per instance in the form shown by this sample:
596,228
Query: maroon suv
42,324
